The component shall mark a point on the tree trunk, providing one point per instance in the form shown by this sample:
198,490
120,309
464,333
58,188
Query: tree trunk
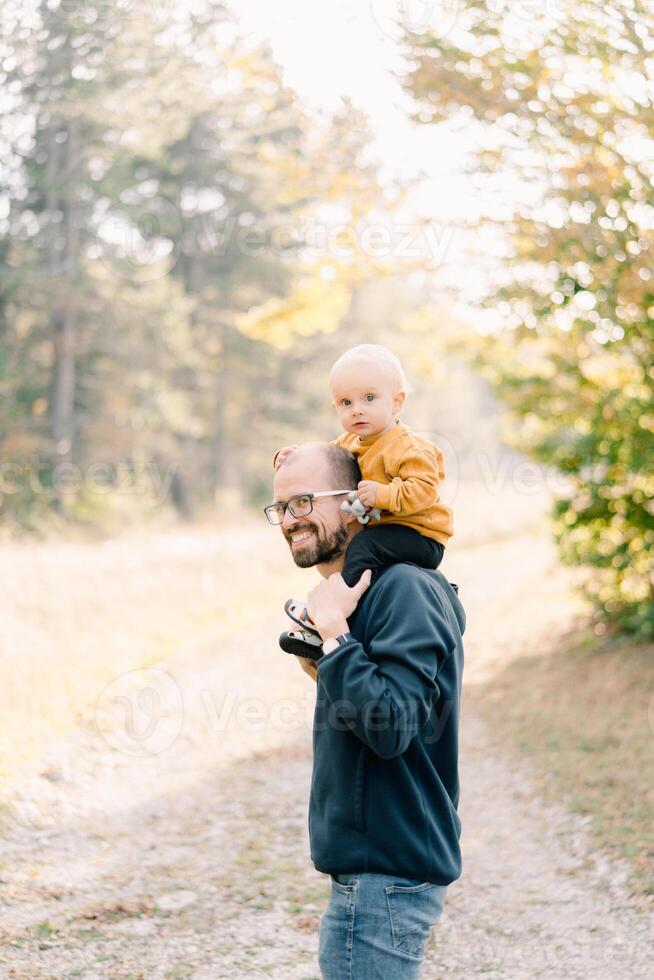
219,440
64,314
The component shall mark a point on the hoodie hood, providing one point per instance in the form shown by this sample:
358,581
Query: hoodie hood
452,590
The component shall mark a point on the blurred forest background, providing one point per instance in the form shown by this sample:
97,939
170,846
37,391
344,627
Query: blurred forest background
185,248
189,237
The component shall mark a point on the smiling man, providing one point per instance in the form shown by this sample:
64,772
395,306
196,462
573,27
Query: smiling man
383,819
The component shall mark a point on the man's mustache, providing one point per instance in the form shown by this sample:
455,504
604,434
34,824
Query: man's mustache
297,530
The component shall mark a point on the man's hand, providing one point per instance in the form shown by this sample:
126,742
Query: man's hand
332,601
367,492
282,455
309,667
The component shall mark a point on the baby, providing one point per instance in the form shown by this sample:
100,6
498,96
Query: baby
401,475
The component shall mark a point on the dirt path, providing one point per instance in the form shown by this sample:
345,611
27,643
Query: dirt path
194,861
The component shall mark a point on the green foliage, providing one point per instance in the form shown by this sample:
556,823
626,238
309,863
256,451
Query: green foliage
565,108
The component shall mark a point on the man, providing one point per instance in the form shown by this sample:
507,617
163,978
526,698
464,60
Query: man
384,788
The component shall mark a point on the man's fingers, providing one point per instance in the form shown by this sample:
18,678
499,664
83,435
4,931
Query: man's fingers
363,583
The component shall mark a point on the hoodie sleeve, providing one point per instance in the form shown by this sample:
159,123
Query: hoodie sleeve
384,692
416,485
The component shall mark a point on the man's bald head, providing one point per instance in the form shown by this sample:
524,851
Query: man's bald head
337,465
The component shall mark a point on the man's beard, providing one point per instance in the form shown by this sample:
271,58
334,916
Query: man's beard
325,548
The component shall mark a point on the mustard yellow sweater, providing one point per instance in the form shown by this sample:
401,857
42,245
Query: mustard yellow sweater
411,470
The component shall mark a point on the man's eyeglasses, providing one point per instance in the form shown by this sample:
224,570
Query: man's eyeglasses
299,506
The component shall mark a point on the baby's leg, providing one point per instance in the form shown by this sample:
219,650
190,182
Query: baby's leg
381,545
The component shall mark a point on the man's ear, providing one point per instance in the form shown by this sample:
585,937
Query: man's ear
398,401
351,519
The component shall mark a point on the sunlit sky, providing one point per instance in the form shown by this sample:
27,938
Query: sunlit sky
328,49
331,48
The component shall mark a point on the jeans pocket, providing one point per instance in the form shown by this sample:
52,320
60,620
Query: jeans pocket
413,910
344,884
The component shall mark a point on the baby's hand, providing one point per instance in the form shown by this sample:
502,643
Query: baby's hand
282,455
367,492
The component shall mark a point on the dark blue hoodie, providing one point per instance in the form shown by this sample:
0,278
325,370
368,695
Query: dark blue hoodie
385,783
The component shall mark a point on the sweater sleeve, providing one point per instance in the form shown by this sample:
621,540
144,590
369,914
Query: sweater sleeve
384,693
416,486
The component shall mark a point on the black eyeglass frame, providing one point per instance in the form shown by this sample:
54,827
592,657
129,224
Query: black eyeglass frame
287,503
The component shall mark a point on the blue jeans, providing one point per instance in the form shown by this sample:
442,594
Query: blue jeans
376,926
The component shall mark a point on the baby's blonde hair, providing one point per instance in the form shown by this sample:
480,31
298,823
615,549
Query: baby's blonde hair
373,352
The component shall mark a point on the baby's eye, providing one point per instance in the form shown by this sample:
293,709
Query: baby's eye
370,398
346,402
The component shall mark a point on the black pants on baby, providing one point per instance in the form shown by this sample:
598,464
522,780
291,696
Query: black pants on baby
381,545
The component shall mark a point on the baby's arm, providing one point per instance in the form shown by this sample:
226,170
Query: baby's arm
416,485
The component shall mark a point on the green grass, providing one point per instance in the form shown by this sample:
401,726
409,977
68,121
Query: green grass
584,713
44,930
180,971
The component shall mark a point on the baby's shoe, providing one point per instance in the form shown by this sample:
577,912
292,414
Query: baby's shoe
302,644
299,613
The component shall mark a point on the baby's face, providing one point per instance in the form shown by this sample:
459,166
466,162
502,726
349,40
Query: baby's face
366,397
